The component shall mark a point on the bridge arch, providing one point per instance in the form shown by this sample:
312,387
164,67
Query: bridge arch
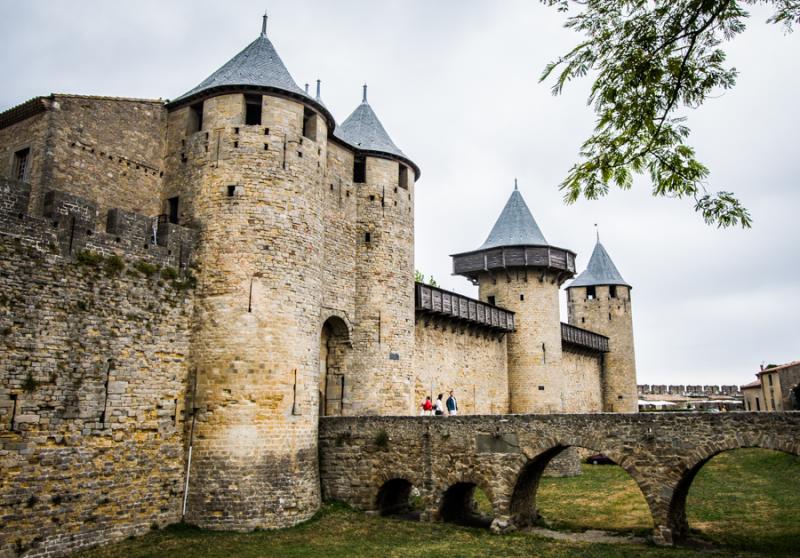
522,507
457,504
676,520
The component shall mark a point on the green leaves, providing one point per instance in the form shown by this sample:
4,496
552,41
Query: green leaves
652,59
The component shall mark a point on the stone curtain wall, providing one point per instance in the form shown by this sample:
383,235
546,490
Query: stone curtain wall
93,385
106,149
472,363
583,388
505,456
29,133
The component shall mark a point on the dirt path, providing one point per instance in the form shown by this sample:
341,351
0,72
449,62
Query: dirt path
590,536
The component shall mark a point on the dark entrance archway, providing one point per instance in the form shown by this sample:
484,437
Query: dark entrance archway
460,506
395,500
334,352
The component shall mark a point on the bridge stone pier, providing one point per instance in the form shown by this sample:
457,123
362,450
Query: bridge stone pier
372,462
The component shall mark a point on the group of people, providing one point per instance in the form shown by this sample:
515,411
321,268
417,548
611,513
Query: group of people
437,408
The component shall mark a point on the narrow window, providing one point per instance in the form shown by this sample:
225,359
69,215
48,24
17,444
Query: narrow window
583,320
236,130
612,291
195,118
309,124
490,299
231,191
758,404
172,209
372,198
359,170
522,297
252,112
770,378
591,294
367,237
236,145
21,165
402,178
541,388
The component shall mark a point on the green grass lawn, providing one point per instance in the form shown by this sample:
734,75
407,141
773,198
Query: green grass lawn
748,500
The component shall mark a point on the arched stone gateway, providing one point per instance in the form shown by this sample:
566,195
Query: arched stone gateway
506,456
334,354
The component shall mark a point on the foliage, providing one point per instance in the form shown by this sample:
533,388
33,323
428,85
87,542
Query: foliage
87,257
114,264
29,385
381,439
169,273
649,60
146,269
419,277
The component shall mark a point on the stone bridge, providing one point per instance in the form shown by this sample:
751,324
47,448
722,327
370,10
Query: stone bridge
372,462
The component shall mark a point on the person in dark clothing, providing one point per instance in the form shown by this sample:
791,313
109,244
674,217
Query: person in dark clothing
452,405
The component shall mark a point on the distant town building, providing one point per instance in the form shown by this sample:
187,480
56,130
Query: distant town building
776,389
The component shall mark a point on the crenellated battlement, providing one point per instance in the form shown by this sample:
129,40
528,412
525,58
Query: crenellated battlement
71,224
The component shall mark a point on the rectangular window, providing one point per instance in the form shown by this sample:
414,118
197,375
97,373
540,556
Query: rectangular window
402,178
490,299
359,170
172,209
252,112
770,378
612,290
195,123
758,404
367,237
591,293
21,160
310,124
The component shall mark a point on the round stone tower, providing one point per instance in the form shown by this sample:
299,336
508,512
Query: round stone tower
517,269
246,156
383,329
599,299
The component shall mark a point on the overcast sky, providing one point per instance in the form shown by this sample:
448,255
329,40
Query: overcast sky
455,83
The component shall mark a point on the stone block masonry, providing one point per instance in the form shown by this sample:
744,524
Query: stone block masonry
93,380
506,456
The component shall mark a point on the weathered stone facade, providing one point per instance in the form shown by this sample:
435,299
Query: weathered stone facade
611,316
188,286
506,456
92,378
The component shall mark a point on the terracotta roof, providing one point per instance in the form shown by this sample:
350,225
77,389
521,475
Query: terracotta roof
755,384
22,111
777,368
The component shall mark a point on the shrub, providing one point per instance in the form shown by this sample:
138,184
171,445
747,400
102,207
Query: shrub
114,264
382,439
87,257
146,269
169,273
29,385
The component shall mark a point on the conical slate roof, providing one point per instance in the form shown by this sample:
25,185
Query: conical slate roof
515,226
600,271
258,65
363,130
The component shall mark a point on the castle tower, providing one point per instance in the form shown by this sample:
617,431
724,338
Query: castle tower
383,332
517,269
599,299
246,153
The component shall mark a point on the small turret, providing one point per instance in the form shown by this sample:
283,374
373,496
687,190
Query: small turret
599,299
383,330
516,268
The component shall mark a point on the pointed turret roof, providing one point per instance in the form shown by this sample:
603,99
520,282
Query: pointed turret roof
363,130
515,226
600,271
258,66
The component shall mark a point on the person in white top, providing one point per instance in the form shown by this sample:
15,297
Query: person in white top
438,407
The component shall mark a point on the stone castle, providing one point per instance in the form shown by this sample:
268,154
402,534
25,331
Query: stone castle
187,286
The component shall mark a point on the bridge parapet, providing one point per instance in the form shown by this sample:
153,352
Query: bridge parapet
506,455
